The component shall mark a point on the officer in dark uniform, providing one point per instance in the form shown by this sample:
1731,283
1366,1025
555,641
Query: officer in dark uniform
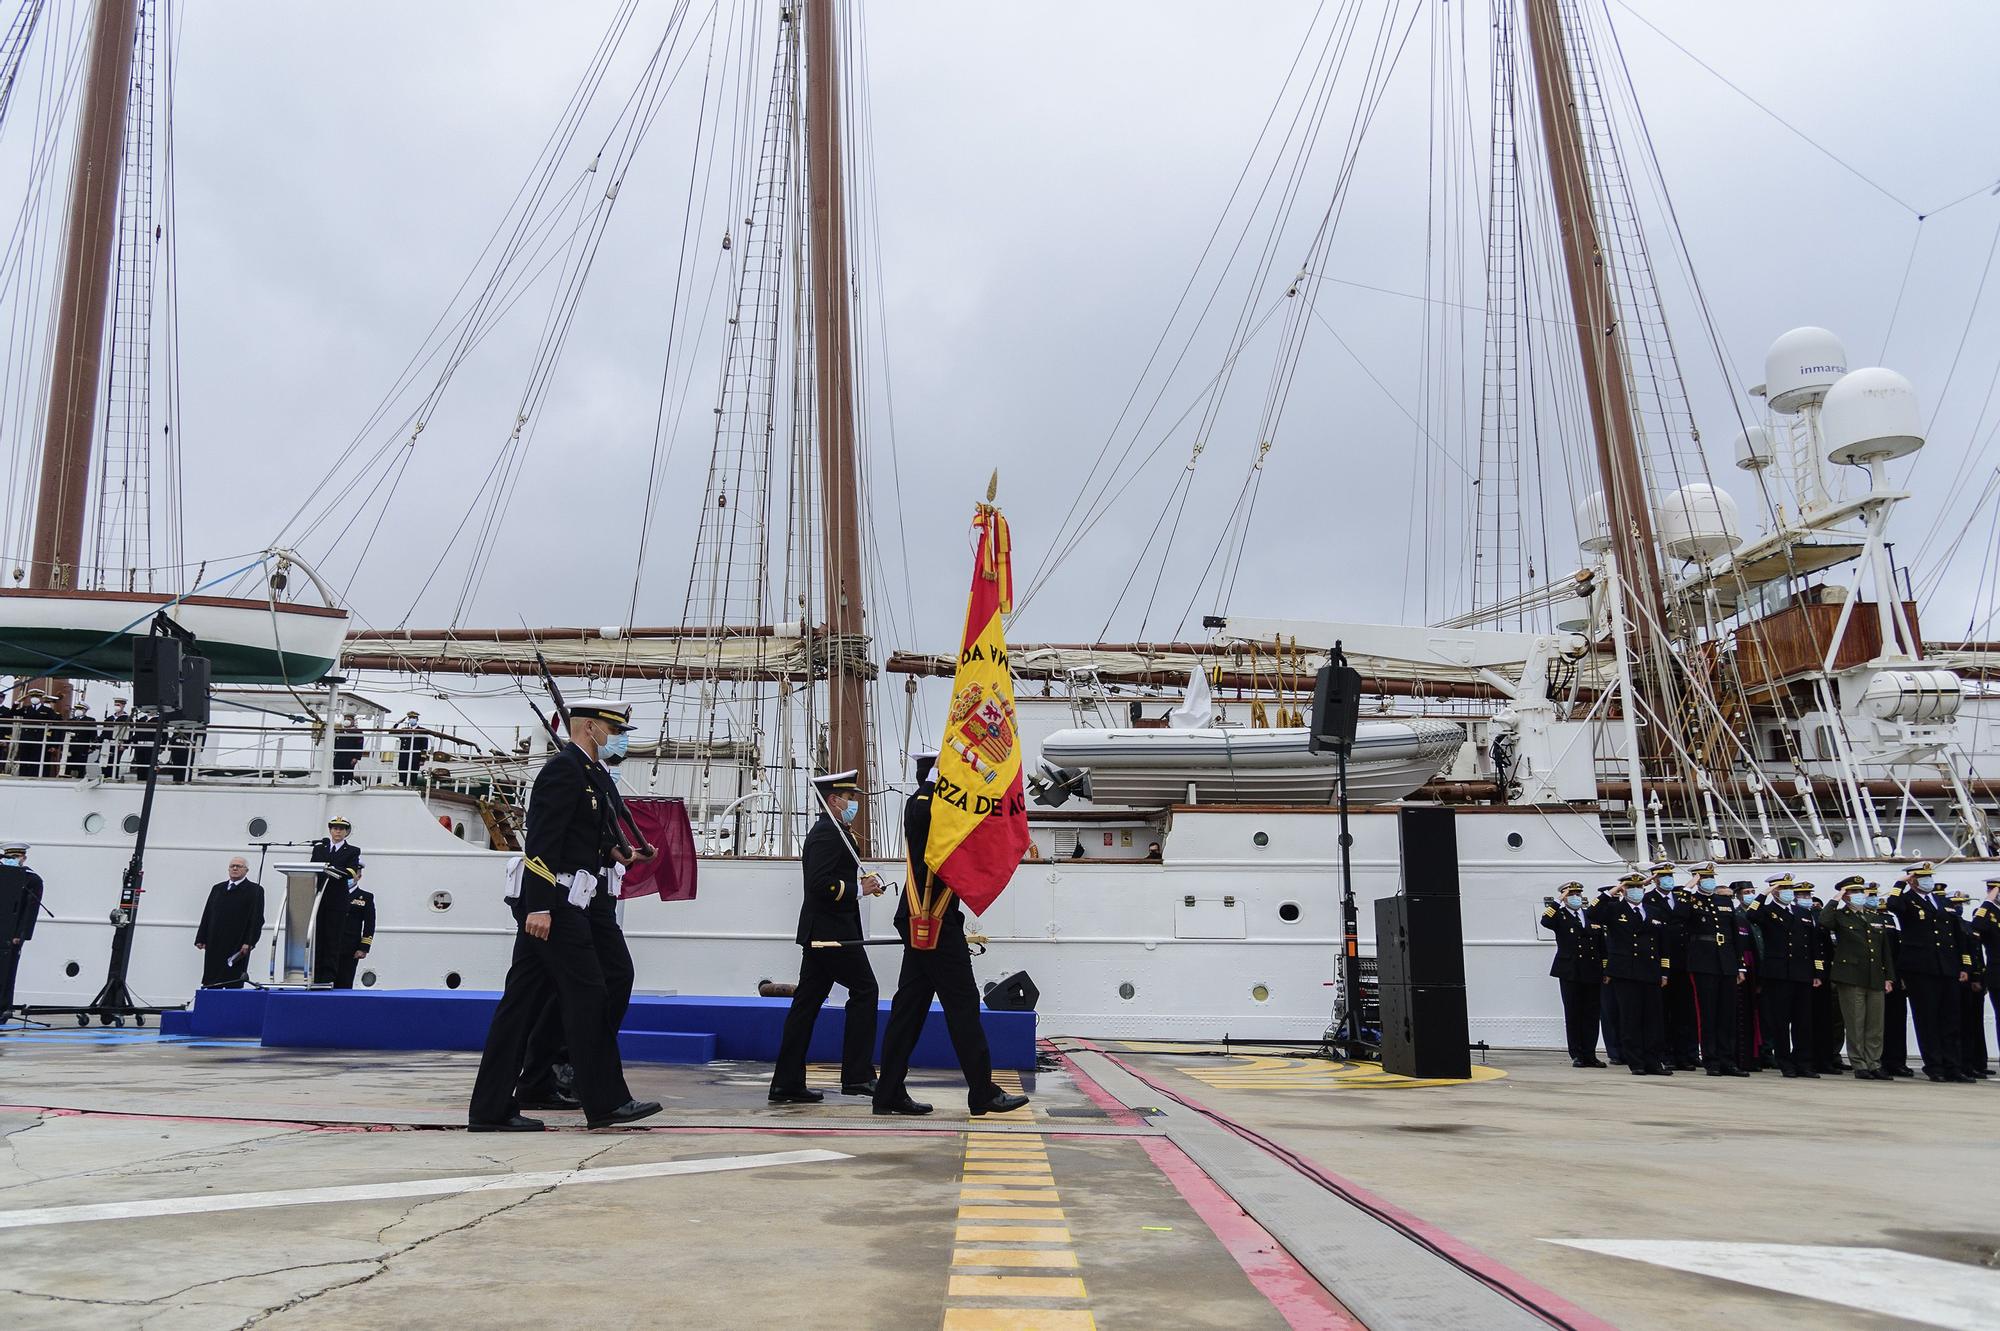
1985,926
1607,1013
20,906
1931,963
1748,948
571,841
40,750
1578,970
831,911
1668,902
943,969
332,912
81,737
1971,993
1791,968
1828,1032
1637,970
1715,964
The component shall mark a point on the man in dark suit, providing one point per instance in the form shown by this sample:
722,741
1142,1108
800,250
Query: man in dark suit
1637,970
20,906
231,923
571,842
936,960
831,912
1578,970
1931,964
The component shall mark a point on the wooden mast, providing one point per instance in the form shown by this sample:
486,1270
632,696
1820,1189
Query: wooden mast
1599,338
76,369
840,500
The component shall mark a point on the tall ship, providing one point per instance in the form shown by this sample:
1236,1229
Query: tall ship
1614,664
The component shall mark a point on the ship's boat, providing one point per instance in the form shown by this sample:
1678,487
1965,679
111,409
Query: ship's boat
1224,765
45,633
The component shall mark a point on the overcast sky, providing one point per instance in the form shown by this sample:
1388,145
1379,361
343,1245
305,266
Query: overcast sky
1046,175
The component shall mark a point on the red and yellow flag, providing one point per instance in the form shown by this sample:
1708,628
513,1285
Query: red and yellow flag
979,819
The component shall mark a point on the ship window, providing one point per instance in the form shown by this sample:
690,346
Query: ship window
72,970
93,823
1289,912
452,980
440,900
1823,741
1260,993
258,827
1126,990
1514,840
368,979
1261,839
131,824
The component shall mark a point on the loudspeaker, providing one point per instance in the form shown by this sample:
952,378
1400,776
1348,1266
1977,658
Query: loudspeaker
1419,940
1016,993
1424,1031
1430,851
194,689
1336,710
156,675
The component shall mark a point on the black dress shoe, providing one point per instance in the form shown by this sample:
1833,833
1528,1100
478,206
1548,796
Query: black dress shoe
801,1096
1787,1072
558,1099
629,1112
1642,1072
1596,1063
999,1103
1680,1066
1861,1074
1579,1062
1960,1078
1813,1075
1717,1072
905,1105
1936,1076
515,1124
1662,1070
1900,1072
858,1087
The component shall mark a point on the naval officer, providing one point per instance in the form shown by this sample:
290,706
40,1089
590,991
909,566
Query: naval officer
1931,965
831,912
1637,969
20,906
1716,970
1792,968
344,916
570,846
944,969
1578,968
1985,925
231,923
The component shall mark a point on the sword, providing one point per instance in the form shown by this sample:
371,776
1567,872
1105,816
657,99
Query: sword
972,940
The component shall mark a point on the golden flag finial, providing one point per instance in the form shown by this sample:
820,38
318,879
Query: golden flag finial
993,485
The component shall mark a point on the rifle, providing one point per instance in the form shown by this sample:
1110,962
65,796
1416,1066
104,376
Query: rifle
644,850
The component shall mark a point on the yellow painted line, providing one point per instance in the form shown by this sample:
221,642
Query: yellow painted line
1018,1319
1011,1213
1038,1167
1041,1180
1050,1259
1013,1234
1007,1146
1008,1194
1016,1287
1006,1157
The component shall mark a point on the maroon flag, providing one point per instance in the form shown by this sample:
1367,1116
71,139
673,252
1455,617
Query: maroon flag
664,824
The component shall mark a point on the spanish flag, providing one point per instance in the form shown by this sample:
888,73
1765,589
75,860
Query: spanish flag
979,819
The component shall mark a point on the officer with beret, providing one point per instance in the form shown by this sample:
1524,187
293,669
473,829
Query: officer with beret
1578,969
1932,962
1792,969
1637,969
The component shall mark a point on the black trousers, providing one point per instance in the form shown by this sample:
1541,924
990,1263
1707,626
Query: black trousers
546,1045
1683,1024
1642,1022
945,971
1582,1000
1715,1008
564,964
10,965
1828,1036
1787,1013
820,969
1896,1029
223,969
1745,1003
345,963
1971,1029
1934,1007
1614,1040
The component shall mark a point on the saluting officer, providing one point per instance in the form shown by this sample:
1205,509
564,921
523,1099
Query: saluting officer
1792,969
1637,970
1667,902
571,842
1931,962
1716,970
1971,992
943,968
1895,1003
831,912
1863,970
1607,1016
1578,969
1986,937
1748,948
1828,1033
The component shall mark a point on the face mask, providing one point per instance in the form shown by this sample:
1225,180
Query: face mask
1666,884
848,810
613,749
1635,894
1706,887
1572,901
13,861
1785,896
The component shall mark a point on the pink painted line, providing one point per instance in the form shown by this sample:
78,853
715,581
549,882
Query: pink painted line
1103,1099
303,1125
1301,1300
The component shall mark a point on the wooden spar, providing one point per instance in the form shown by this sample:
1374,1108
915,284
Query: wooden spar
75,369
840,499
1599,338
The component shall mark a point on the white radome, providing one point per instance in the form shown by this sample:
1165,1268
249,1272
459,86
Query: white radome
1871,416
1697,522
1801,366
1593,523
1754,451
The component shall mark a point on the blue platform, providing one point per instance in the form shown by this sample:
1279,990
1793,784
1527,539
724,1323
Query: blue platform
679,1029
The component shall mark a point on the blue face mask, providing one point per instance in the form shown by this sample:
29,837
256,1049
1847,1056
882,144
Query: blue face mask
1666,883
11,860
1784,896
614,748
1635,894
1869,899
1706,887
1572,901
848,810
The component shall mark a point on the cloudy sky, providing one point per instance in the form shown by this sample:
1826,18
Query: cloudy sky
1045,177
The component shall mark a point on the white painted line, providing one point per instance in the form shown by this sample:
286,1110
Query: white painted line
422,1187
1878,1280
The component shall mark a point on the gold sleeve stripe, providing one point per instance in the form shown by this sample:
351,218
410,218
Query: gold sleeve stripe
540,870
840,889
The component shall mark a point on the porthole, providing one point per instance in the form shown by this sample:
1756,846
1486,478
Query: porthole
258,827
1514,840
451,980
1260,993
1289,912
440,900
1126,990
368,979
72,970
93,823
1261,839
131,824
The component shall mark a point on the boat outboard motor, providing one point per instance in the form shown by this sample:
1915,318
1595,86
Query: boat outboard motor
1053,786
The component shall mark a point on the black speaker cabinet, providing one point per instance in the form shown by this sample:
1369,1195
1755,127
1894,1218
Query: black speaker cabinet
1336,709
156,675
1419,940
1430,851
1424,1031
1016,993
194,689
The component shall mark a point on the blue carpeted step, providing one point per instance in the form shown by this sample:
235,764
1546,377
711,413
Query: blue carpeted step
665,1047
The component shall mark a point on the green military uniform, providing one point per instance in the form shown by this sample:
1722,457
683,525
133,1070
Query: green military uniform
1863,967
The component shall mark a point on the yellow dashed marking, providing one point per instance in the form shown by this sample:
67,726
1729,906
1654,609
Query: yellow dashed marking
1024,1178
1011,1213
1013,1233
1016,1287
1018,1319
1045,1258
1009,1194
